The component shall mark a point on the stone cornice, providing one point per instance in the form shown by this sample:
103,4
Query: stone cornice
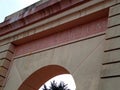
77,15
31,15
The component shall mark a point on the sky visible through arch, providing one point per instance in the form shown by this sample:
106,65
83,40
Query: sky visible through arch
66,78
8,7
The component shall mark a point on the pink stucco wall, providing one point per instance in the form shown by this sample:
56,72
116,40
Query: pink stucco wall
71,34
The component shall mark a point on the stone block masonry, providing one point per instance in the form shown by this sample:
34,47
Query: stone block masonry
6,53
110,76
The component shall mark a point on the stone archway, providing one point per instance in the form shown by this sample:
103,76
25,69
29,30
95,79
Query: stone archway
39,77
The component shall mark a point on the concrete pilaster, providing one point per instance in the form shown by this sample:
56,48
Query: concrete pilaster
6,53
110,75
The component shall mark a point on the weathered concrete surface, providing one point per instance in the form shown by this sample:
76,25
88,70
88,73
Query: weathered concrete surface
83,62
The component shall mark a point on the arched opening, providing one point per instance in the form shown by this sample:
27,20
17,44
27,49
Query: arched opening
64,81
41,76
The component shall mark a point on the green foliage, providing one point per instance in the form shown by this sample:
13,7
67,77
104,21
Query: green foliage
54,86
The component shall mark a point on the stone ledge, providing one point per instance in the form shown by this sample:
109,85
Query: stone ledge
114,21
6,54
2,81
6,47
114,10
110,84
4,63
111,56
110,70
113,32
112,44
3,72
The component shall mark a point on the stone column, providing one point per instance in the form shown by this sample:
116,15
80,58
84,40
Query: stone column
110,75
6,54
